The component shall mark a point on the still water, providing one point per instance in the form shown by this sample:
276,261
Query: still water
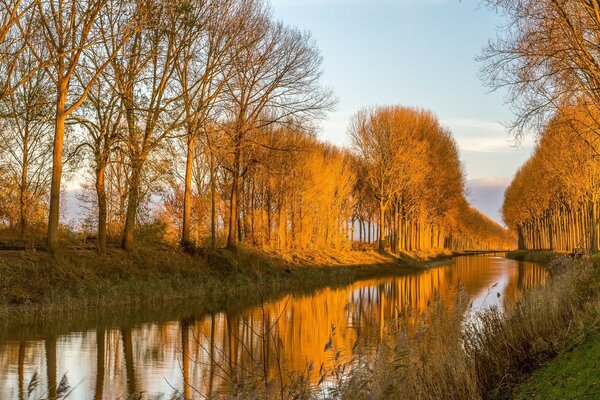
171,351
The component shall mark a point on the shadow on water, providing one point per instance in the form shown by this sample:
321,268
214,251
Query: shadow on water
190,349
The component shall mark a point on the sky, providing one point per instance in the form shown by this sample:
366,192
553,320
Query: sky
416,53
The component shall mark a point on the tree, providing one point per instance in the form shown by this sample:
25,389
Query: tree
25,139
275,81
102,117
202,70
547,56
388,149
552,202
68,34
144,77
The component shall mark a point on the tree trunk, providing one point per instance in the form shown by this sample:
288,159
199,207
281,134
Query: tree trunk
213,205
23,191
232,237
593,225
132,205
101,194
59,135
187,193
381,226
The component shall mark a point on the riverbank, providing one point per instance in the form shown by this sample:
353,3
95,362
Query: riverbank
572,375
37,282
537,256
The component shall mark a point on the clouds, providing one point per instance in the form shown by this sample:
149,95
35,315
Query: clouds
473,135
487,195
313,3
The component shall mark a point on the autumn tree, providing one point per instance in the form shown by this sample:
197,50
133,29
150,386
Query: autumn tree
68,34
552,202
275,81
389,152
25,139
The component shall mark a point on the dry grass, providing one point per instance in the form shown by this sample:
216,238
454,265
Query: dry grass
537,256
36,286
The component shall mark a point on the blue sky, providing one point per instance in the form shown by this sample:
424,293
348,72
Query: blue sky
418,53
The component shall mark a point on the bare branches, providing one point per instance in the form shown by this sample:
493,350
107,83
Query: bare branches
548,56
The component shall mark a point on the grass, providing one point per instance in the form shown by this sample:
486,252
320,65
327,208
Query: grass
537,256
572,375
37,284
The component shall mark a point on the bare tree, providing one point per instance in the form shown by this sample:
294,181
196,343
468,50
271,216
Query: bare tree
202,71
102,113
68,33
144,76
547,55
25,139
102,117
276,80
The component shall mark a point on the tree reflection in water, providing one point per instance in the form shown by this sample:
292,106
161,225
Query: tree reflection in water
287,343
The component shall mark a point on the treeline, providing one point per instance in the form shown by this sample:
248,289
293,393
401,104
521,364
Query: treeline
544,57
553,200
207,110
410,180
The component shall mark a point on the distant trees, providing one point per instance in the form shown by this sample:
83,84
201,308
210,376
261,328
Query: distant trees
409,166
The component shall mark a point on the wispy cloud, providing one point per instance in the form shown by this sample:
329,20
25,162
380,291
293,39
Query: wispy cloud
301,3
490,181
473,135
475,124
485,144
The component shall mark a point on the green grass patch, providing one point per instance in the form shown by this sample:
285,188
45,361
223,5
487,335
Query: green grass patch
573,375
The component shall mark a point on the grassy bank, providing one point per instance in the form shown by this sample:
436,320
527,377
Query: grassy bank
572,375
34,281
537,256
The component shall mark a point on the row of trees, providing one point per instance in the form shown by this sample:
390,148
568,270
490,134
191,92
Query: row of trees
123,77
553,200
207,110
547,56
411,177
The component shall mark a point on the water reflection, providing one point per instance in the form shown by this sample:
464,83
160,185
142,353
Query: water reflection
196,356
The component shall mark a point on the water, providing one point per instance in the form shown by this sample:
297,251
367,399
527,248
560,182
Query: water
181,351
